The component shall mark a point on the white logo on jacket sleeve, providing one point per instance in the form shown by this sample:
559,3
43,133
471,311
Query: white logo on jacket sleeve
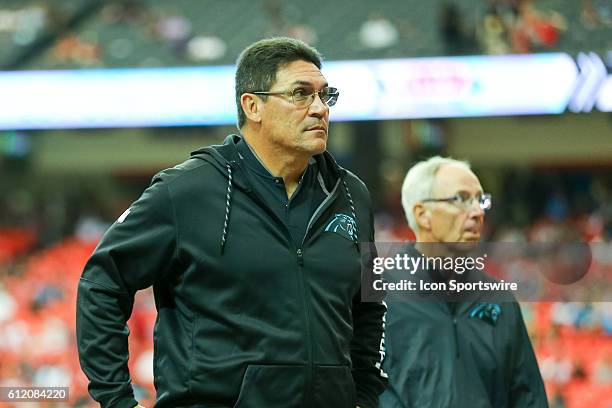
123,216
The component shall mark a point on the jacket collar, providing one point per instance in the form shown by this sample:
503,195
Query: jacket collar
227,153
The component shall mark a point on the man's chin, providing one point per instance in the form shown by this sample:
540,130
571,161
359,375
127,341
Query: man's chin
317,146
470,236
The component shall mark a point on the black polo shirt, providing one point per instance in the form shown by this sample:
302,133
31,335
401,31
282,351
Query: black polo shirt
295,212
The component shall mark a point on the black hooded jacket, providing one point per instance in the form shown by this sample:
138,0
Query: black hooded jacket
473,353
246,318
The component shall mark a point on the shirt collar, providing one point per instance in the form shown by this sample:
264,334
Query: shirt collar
248,154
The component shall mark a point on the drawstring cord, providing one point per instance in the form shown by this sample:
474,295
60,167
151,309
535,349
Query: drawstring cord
228,198
353,213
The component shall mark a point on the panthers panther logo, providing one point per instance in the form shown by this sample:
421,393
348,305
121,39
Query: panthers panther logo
344,225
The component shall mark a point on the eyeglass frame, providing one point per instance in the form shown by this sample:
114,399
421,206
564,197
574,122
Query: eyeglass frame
291,92
465,203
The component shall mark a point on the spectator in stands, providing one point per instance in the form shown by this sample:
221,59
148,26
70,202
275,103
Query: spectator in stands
7,304
378,32
274,10
603,370
596,13
206,48
252,248
457,39
557,400
175,30
535,29
557,368
493,30
441,352
302,32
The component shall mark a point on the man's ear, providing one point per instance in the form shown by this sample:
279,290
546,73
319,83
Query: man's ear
250,106
422,216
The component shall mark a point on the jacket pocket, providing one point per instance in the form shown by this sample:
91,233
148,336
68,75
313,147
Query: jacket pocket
333,387
272,386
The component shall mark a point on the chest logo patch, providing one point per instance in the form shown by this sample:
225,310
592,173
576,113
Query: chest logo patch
487,312
342,224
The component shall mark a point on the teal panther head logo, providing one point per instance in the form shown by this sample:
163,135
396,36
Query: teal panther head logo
487,312
344,225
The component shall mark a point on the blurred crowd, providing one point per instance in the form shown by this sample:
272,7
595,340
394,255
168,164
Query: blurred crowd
152,33
37,320
505,26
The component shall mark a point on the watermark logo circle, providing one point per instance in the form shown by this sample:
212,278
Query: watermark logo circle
564,263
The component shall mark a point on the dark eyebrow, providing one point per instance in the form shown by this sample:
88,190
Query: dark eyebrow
306,83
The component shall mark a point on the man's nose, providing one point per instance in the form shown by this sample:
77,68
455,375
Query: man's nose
318,107
475,210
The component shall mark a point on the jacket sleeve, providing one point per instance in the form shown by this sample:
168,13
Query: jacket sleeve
526,385
137,250
367,346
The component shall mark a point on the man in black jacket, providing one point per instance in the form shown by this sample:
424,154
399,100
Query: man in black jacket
252,248
443,351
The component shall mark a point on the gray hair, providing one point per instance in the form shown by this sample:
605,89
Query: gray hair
419,181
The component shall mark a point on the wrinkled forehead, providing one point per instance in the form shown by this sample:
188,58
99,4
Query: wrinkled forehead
450,179
300,73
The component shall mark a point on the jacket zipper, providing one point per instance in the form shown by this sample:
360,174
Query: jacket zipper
455,331
305,305
456,336
305,292
306,295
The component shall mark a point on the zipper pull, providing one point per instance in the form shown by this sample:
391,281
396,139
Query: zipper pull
300,257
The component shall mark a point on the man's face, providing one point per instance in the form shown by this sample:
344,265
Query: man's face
292,129
450,222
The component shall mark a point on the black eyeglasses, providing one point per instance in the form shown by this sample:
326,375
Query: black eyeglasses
303,97
464,200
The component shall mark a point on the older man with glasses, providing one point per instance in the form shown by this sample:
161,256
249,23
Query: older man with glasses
253,250
445,351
